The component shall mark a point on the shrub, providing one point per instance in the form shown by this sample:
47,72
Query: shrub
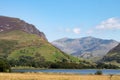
99,72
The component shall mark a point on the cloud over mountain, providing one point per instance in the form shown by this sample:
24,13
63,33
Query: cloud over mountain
111,23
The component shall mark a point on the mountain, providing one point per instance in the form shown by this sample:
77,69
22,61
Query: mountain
86,47
23,43
9,24
113,56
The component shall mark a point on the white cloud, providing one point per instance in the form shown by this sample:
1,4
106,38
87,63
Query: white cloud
111,23
76,30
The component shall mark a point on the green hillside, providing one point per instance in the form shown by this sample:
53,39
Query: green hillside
15,44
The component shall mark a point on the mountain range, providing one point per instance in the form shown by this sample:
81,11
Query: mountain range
86,47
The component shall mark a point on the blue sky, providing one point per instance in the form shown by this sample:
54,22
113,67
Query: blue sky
68,18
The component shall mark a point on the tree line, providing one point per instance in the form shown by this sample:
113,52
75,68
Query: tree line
39,62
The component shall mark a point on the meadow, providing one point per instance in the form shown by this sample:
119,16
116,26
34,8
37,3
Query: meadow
51,76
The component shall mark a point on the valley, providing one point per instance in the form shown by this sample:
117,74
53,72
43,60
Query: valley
23,45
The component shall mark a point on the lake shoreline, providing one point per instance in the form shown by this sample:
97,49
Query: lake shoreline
69,71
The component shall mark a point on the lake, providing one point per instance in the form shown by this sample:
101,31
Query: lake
72,71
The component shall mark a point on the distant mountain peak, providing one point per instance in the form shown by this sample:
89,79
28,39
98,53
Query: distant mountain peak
85,47
89,37
10,24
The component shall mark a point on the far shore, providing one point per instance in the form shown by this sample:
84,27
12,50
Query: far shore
33,68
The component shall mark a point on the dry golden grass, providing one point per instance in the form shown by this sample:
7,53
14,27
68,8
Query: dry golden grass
46,76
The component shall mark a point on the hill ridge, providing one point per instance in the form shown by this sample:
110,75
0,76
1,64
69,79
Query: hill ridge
9,24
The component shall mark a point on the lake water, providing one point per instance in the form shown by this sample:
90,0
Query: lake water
72,71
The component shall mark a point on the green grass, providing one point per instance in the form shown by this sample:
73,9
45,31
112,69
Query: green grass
29,45
49,52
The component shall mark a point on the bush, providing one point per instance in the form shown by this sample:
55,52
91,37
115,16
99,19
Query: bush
99,72
4,65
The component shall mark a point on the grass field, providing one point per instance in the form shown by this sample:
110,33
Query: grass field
46,76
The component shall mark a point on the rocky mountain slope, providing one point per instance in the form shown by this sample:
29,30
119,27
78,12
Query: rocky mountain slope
9,24
86,47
